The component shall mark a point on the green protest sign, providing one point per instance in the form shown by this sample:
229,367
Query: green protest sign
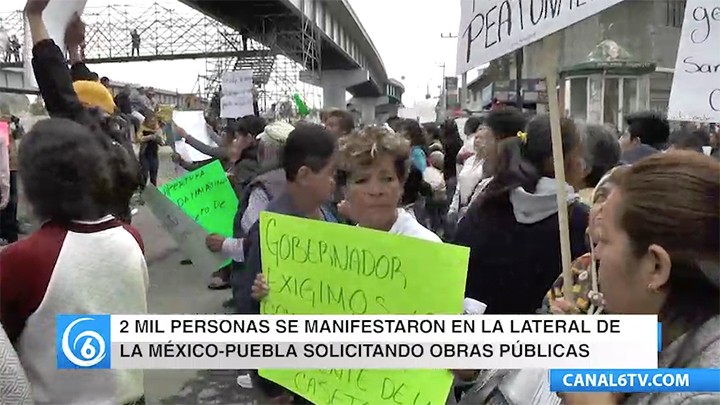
314,267
206,196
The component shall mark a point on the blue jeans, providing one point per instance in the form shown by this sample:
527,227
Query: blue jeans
149,166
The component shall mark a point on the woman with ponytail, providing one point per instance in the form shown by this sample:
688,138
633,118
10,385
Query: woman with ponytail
512,228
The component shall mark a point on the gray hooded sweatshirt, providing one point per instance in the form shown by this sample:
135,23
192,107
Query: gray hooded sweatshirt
531,208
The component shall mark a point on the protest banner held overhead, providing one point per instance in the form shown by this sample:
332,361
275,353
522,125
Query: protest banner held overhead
695,93
237,97
56,17
314,267
490,29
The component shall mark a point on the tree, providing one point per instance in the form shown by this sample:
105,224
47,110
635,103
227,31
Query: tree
38,107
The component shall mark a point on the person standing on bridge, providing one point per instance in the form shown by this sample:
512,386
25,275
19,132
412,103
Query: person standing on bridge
135,43
14,49
4,43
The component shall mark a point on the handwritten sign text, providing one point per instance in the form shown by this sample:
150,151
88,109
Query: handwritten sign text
695,93
314,267
490,29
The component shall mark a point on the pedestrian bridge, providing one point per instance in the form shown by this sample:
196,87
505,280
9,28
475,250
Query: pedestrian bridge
326,37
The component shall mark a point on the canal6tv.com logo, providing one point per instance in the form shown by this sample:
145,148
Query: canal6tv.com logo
82,341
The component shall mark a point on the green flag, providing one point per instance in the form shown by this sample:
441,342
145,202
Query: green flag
301,106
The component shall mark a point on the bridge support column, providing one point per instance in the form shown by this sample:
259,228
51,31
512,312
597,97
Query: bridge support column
367,107
334,97
334,84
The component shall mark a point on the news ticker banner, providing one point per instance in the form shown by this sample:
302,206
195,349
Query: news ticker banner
658,380
356,342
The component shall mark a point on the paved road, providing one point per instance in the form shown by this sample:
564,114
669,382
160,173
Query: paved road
175,288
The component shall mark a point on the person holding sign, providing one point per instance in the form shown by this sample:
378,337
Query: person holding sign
84,102
512,229
374,165
309,163
253,198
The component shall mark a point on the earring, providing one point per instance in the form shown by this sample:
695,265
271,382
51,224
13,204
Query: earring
652,288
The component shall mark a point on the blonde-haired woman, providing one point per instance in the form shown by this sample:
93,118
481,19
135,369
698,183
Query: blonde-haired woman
374,164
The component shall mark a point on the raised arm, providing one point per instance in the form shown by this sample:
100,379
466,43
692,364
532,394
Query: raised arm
214,135
212,151
51,72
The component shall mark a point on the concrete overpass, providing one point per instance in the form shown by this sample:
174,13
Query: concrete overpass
12,80
325,36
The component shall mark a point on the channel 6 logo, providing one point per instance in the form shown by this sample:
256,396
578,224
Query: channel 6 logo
82,341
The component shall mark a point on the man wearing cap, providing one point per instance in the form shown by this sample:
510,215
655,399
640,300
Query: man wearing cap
258,193
269,184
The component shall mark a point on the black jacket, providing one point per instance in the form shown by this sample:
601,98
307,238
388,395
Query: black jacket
122,101
512,265
55,82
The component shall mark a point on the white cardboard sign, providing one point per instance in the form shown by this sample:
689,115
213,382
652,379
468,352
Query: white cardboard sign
56,16
695,94
490,29
237,97
193,122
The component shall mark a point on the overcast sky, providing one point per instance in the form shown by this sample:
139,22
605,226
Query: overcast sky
407,33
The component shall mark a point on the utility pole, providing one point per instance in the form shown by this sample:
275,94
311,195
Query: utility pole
519,60
443,92
463,80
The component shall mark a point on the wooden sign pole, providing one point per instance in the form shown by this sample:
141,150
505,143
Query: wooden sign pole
551,51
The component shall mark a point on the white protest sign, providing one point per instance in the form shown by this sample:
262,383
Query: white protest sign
56,17
237,97
695,93
193,122
490,29
236,106
188,234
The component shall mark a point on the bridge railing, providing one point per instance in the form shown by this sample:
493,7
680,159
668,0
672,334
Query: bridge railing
165,33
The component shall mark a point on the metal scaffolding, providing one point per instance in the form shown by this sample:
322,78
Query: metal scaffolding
173,31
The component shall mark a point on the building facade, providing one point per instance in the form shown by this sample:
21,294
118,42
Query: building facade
649,30
167,97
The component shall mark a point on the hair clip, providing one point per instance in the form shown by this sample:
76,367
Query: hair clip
523,136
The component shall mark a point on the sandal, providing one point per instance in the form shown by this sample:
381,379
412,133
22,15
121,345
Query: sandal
217,283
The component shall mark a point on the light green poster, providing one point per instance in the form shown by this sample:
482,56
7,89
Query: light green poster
206,196
315,267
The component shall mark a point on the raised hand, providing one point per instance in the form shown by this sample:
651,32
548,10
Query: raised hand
214,242
75,33
35,7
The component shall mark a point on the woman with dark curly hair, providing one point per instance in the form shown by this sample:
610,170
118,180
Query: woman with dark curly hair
83,259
